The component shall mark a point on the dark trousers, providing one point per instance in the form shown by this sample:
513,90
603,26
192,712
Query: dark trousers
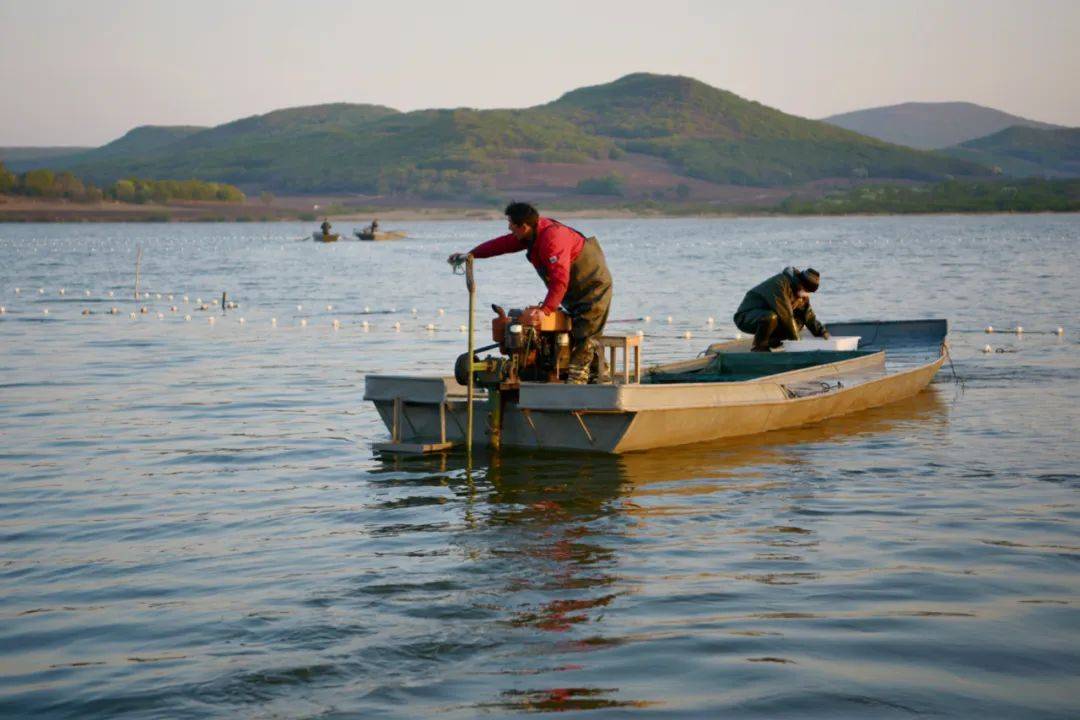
764,324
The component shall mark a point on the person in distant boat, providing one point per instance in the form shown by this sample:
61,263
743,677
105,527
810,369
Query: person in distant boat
575,272
374,225
777,309
325,226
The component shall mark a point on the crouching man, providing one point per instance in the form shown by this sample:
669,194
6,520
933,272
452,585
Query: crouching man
575,272
777,309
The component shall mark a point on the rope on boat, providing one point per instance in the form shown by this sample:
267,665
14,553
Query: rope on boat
956,377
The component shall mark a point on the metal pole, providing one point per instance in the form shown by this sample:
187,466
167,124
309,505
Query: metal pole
471,284
138,261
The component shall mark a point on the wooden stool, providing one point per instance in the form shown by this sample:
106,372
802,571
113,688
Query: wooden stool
613,343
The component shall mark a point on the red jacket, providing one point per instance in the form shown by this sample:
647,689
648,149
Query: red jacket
553,250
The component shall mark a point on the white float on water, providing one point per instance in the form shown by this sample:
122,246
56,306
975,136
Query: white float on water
429,326
365,325
367,309
710,321
144,309
336,324
185,298
241,321
641,333
989,329
670,319
187,318
648,318
1061,331
133,316
1019,330
273,321
299,308
110,293
62,291
329,308
462,328
113,311
397,326
988,349
87,293
2,309
86,311
303,322
441,312
18,291
687,335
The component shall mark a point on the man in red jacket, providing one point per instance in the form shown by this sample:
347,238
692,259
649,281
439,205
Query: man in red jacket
575,272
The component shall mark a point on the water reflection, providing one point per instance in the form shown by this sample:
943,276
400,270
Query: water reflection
554,529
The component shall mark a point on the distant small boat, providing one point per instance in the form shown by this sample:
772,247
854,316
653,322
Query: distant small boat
320,237
367,234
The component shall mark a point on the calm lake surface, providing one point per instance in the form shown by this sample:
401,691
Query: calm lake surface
193,523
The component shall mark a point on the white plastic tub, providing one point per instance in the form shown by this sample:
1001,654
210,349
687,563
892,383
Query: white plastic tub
848,342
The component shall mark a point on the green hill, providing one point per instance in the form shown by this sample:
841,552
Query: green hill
144,139
1026,152
27,157
930,126
716,135
701,132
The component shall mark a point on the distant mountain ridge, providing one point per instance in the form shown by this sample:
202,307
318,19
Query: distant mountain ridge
10,155
930,126
697,132
1026,152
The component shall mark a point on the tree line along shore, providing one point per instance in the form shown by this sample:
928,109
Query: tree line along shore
42,195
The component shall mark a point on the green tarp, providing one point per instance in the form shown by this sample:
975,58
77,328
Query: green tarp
734,367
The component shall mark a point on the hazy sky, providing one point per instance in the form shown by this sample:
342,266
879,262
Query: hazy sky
83,73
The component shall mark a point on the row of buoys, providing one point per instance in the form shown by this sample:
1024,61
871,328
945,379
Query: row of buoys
1019,330
441,312
335,323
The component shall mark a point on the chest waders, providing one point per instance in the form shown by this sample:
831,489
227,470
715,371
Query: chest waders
587,301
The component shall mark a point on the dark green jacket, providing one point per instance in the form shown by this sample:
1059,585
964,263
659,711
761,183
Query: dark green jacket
778,294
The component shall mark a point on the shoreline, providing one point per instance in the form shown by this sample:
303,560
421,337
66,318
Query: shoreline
295,210
175,214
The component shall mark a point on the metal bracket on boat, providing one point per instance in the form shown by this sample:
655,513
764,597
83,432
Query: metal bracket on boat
527,414
584,428
414,448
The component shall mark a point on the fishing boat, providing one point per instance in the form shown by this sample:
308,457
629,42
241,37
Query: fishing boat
325,237
728,391
379,235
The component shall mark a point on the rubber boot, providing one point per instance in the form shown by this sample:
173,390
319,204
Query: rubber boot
765,328
583,359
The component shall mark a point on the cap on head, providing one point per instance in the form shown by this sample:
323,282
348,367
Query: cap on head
810,279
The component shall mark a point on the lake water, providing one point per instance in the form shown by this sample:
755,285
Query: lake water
193,523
